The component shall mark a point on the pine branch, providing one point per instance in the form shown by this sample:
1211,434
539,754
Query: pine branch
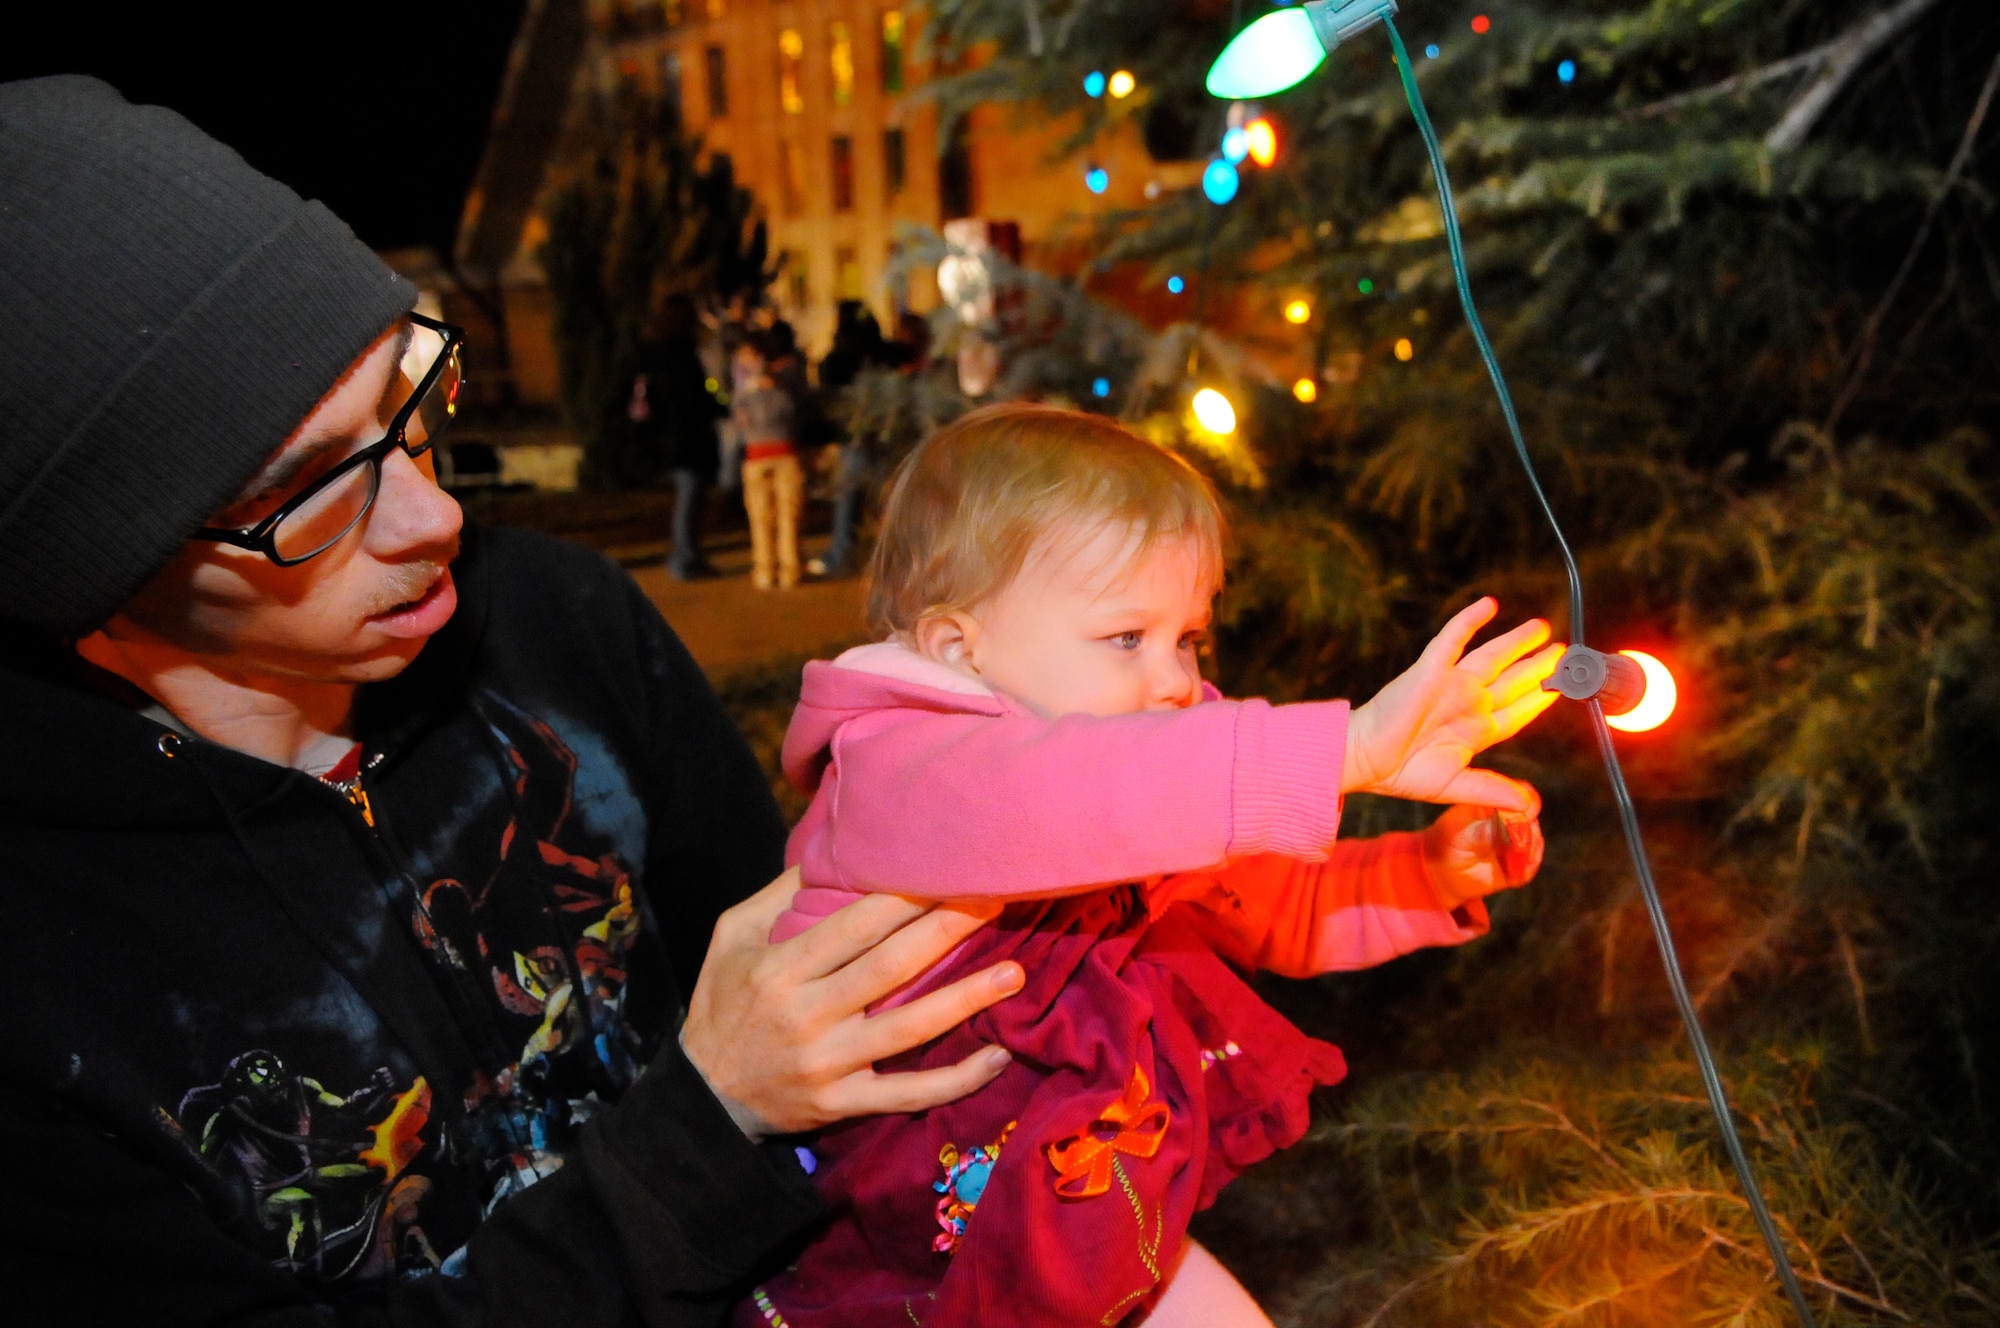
1774,72
1849,52
1871,333
1839,53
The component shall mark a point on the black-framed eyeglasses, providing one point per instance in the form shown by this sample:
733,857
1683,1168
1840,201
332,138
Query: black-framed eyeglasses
317,517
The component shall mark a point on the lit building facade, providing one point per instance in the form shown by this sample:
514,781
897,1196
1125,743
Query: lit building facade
812,100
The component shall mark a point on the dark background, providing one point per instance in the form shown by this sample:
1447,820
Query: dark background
379,110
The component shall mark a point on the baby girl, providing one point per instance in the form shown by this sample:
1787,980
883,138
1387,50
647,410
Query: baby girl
1032,726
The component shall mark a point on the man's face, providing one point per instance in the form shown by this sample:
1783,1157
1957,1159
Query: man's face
358,612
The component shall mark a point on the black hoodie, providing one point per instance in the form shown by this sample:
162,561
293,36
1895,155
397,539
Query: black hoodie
264,1063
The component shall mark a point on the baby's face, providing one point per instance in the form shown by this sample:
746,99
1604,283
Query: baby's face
1087,628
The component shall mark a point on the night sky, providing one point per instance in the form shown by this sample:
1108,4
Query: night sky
378,109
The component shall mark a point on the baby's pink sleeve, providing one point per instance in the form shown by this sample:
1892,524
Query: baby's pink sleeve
1370,902
953,805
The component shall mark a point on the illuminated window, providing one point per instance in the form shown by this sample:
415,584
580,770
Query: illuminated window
793,179
840,59
718,83
892,50
895,161
847,274
843,173
791,69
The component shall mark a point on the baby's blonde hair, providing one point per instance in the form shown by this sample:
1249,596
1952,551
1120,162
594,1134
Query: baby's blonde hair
967,507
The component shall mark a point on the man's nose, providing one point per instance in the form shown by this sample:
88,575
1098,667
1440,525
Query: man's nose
411,512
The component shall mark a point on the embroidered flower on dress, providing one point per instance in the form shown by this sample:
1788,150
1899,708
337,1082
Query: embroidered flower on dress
965,1177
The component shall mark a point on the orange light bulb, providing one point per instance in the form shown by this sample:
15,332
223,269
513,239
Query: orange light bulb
1262,139
1306,390
1656,704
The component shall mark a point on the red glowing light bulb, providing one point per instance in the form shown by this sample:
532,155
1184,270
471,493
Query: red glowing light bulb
1655,704
1481,23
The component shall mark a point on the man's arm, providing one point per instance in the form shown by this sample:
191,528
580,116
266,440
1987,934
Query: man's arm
657,1222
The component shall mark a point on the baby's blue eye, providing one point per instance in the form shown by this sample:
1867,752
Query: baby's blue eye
1129,640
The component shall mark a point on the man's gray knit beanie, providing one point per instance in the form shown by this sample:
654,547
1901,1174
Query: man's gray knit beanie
168,315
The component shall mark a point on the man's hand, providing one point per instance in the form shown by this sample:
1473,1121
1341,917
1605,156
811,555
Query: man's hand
781,1033
1473,852
1417,737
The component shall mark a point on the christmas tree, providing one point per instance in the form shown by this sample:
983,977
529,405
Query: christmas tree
1739,262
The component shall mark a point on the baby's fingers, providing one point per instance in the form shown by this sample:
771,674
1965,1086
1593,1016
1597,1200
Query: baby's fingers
1524,678
1490,788
1496,656
1452,638
1517,714
1520,847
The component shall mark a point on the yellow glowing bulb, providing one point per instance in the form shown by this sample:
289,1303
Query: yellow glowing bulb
1262,140
1404,350
1213,411
1656,704
1306,390
1298,311
1122,83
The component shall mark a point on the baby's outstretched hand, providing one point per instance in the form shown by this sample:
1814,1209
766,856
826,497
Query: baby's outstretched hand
1474,851
1416,739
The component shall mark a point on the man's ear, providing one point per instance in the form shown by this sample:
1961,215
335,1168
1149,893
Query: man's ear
949,639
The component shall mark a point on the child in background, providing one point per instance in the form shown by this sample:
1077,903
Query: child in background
1032,726
774,484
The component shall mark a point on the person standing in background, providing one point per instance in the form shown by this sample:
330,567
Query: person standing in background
857,346
766,417
786,364
728,329
683,414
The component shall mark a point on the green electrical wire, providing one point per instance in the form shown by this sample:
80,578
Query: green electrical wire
1628,815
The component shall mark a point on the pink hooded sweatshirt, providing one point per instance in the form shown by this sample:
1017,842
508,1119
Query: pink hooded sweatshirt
927,784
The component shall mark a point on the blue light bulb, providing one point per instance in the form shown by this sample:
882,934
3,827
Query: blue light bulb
1235,146
1175,285
1432,50
1566,71
1097,179
1101,388
1220,180
1093,83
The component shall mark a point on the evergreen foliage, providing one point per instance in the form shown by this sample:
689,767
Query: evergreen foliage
643,220
1742,270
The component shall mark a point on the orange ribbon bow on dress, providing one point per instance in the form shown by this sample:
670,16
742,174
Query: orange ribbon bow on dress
1083,1162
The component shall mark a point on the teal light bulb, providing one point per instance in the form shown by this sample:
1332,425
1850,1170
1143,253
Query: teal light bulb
1276,52
1282,48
